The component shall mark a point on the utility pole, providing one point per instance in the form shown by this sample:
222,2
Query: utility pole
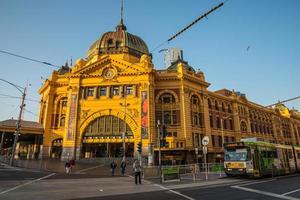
18,127
159,149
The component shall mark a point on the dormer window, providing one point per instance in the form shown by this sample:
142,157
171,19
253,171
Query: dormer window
118,44
109,42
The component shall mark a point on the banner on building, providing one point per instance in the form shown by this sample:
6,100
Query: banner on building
144,115
72,115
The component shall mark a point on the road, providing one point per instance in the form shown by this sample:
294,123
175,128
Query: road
96,183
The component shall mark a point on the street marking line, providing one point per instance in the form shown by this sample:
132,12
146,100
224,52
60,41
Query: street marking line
178,193
87,169
293,191
257,182
18,186
264,193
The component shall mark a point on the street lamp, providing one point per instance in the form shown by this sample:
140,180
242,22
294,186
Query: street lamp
18,125
222,129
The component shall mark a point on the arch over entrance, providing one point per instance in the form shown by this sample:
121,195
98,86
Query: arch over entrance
103,137
56,148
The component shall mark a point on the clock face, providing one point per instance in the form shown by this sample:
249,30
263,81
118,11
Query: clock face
109,74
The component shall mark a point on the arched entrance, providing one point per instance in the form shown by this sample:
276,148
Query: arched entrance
56,148
103,138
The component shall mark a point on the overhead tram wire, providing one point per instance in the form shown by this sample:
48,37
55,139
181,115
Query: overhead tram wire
27,58
16,97
189,26
280,102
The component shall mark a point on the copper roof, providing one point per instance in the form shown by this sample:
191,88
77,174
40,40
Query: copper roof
119,41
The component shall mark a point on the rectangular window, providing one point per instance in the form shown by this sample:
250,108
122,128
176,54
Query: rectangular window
231,124
220,141
224,124
90,92
64,103
129,90
174,117
218,122
102,91
201,119
167,117
211,121
116,90
213,140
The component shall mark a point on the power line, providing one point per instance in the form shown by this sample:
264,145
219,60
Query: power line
189,26
27,58
16,97
280,102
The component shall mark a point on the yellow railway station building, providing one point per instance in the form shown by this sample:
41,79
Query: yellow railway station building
116,95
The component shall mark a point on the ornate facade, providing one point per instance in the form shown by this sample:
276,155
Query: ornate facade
86,109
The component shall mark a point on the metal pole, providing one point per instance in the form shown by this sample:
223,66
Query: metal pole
17,132
205,162
222,132
159,150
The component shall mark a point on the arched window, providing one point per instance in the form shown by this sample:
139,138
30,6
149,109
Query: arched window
216,105
62,120
64,101
209,103
229,108
165,112
223,107
243,126
194,100
107,125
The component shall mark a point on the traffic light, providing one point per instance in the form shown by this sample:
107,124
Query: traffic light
139,147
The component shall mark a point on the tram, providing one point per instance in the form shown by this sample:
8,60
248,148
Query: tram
256,159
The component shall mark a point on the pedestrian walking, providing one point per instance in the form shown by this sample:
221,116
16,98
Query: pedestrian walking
67,167
72,164
113,166
137,172
123,167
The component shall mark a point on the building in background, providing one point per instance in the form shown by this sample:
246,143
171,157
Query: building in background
29,142
86,109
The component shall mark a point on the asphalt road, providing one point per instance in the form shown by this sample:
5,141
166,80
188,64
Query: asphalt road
96,183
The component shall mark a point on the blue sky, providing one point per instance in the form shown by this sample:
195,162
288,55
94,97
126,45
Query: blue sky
56,30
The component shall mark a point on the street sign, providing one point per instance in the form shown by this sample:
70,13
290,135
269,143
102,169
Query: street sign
205,140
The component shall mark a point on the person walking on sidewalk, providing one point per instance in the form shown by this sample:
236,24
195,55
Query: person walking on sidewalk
123,167
72,164
137,172
67,167
113,166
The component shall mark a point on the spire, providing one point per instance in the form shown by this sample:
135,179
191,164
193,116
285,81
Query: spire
121,12
121,26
